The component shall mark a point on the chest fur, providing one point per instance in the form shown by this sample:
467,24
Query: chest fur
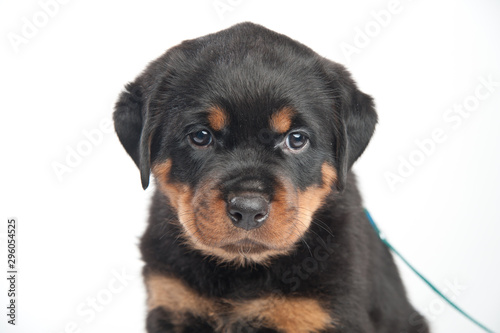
282,313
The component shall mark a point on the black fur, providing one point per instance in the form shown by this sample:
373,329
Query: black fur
251,72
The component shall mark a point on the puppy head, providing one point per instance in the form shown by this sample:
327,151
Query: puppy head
247,133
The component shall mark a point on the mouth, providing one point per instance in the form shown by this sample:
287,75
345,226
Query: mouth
245,246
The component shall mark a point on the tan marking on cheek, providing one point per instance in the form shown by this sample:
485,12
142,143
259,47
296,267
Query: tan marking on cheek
217,118
281,121
286,314
178,194
279,228
313,197
210,217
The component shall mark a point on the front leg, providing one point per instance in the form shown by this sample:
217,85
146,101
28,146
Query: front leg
161,321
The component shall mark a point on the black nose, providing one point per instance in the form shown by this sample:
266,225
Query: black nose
248,212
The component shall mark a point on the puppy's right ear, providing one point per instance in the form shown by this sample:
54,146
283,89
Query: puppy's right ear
133,129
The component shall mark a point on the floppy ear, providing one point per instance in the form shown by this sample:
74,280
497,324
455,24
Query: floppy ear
133,128
355,123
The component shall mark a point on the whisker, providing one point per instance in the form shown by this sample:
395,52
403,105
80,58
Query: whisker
318,222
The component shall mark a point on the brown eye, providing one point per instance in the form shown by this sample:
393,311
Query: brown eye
296,140
201,138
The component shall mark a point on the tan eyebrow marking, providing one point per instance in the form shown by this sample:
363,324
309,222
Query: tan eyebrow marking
217,118
281,121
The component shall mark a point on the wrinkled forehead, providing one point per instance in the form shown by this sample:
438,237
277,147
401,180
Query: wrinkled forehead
279,119
248,98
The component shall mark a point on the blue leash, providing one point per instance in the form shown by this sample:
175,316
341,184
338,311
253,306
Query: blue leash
386,242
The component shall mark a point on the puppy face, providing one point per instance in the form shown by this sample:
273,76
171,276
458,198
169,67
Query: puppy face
247,133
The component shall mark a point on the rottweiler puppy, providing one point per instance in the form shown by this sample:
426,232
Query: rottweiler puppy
256,223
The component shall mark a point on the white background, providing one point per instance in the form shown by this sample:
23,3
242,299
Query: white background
78,232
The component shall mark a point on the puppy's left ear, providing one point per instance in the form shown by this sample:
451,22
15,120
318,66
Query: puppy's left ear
355,120
133,128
